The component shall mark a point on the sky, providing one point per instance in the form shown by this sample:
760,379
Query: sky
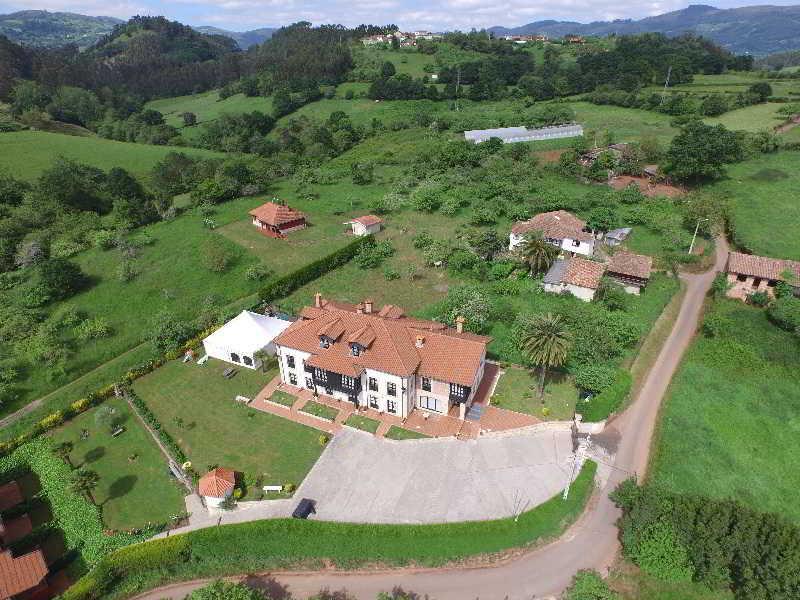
436,15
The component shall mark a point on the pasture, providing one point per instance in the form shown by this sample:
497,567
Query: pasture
733,409
26,154
764,207
207,106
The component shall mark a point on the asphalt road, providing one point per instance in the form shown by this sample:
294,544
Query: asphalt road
591,543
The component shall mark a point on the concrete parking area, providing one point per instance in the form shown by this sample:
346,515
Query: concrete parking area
364,479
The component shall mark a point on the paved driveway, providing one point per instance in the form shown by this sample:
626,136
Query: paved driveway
361,478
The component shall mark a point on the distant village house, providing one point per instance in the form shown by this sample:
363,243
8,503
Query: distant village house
560,228
748,274
276,220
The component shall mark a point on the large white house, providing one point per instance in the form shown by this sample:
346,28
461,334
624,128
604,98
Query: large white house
560,228
382,359
243,336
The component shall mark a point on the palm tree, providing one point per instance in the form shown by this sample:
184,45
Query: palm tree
538,253
546,343
83,482
63,450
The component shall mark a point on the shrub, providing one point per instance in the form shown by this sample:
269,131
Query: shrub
659,552
595,378
607,401
217,255
588,585
758,299
257,273
390,273
785,313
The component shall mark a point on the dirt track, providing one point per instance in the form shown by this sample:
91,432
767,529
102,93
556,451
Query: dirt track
546,571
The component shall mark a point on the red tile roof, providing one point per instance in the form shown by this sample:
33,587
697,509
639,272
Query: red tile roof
557,225
390,341
633,265
761,266
368,220
15,529
10,495
584,273
18,575
275,214
217,483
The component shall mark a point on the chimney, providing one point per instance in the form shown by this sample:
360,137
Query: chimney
420,341
460,324
360,308
318,300
368,306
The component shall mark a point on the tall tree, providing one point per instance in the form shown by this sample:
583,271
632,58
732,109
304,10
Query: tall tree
84,482
538,253
63,451
546,342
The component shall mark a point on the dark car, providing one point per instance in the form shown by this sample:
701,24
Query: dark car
304,509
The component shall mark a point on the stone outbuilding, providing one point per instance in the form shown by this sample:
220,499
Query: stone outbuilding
578,276
632,271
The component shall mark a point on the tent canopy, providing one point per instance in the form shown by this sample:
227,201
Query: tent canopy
247,333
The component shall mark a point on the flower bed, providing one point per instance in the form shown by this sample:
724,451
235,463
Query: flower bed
363,423
320,411
282,399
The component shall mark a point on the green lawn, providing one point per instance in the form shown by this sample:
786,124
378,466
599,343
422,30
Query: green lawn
731,419
131,493
625,124
400,433
363,423
517,390
408,62
765,209
214,429
319,410
282,398
25,154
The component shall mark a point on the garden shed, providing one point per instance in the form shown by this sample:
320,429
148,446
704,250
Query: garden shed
243,336
365,225
216,486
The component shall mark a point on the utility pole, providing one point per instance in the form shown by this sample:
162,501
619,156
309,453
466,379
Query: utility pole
694,237
666,84
580,457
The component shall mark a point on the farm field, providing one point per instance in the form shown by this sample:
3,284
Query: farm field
197,407
135,485
764,193
172,277
25,154
406,62
733,407
751,118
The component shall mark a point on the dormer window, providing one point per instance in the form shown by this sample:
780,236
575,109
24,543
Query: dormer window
325,341
355,349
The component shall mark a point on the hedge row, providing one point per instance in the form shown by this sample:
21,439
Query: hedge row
289,543
283,286
79,520
156,426
609,400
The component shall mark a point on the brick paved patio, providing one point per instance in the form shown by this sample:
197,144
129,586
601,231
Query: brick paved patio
429,423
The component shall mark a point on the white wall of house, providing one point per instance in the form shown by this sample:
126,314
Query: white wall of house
295,375
380,400
567,245
214,501
360,229
585,294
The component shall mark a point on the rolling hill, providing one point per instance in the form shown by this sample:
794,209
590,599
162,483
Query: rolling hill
44,29
52,29
749,29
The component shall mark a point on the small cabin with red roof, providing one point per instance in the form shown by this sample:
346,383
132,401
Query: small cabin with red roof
276,220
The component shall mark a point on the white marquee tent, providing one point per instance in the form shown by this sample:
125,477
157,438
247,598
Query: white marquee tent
244,335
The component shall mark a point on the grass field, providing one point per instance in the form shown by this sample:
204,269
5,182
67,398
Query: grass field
625,124
25,154
751,118
172,276
206,107
131,493
404,61
765,209
196,406
518,390
731,417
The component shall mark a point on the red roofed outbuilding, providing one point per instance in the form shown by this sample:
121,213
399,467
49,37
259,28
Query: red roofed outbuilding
276,220
365,225
216,486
